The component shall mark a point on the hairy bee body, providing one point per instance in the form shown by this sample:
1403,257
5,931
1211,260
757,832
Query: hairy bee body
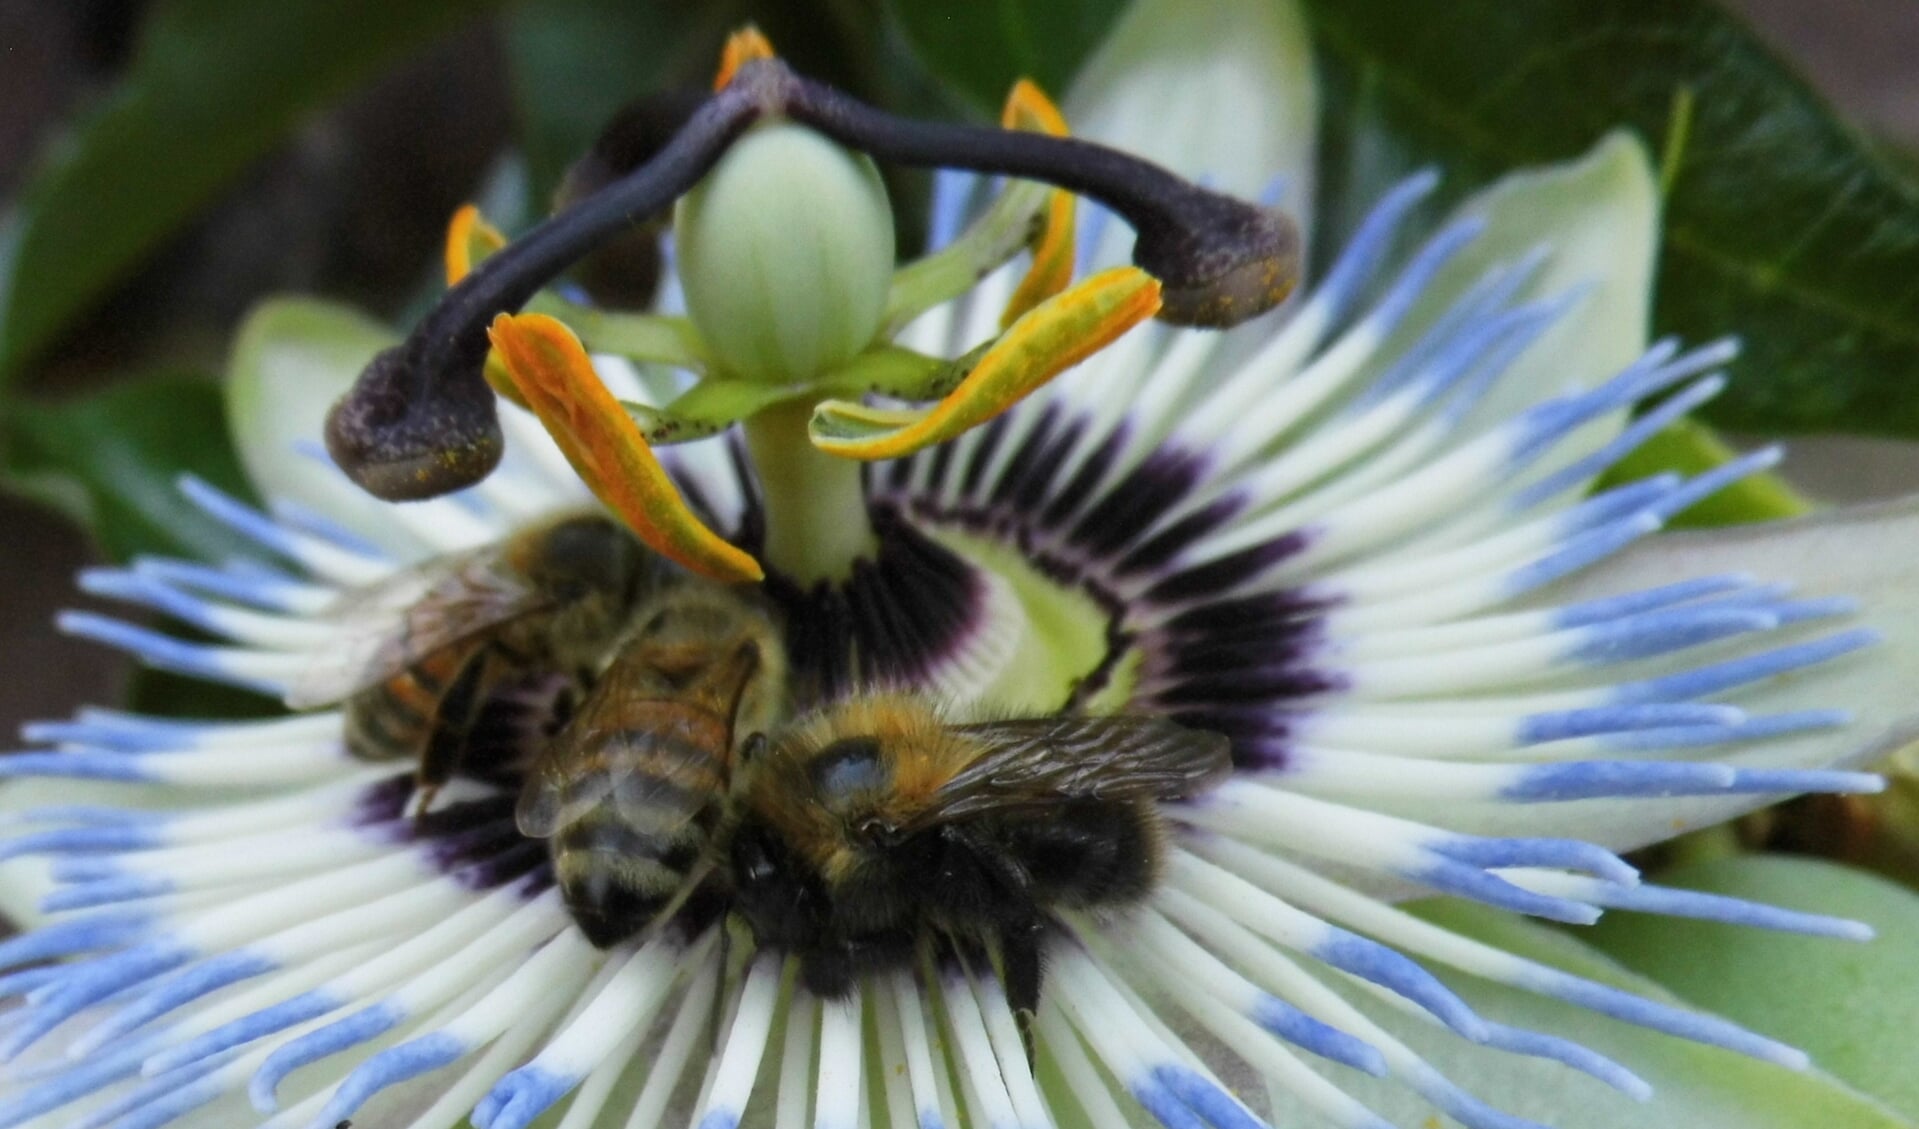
630,793
874,826
624,858
392,719
647,718
494,649
477,703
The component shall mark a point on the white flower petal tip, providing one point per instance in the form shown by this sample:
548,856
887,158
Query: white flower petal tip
1358,550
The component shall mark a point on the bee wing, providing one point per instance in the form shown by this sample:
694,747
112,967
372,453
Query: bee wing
549,800
1036,762
392,625
658,780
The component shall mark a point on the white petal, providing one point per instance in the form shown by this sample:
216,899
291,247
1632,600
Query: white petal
1599,216
25,879
1864,552
293,359
1223,91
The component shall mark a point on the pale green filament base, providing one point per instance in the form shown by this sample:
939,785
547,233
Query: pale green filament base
1065,637
816,519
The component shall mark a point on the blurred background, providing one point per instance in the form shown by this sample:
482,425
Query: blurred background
352,200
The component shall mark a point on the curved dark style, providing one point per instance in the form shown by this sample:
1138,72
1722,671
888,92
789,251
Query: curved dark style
421,420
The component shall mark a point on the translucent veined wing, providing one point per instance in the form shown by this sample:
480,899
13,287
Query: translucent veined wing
391,625
1031,763
657,762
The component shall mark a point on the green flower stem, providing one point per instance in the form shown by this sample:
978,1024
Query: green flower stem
641,337
995,237
816,519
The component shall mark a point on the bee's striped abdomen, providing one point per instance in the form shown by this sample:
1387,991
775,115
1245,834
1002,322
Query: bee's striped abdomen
392,719
656,789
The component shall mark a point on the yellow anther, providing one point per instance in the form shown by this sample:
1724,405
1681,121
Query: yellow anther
1057,334
551,370
469,240
742,47
1028,108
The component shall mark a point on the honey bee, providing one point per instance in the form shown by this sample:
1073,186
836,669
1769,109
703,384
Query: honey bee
493,649
630,792
859,832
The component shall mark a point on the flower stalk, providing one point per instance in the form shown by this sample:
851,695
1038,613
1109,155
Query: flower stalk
815,503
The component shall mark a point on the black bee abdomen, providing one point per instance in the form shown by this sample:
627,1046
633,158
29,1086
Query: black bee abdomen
1089,853
616,881
608,912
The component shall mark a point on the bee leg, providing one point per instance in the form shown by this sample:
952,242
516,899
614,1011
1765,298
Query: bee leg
447,741
1022,967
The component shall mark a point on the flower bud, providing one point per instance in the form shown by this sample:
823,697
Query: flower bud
785,253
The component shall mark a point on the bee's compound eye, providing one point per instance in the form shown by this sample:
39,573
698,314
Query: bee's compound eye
847,769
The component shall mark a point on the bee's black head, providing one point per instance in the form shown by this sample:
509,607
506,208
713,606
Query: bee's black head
587,555
779,896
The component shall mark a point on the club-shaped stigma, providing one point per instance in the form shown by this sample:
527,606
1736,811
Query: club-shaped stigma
421,420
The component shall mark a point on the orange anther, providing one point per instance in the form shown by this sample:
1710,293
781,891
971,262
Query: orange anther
741,47
469,239
550,368
1056,335
1028,108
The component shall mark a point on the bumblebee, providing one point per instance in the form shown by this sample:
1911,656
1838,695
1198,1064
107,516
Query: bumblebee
873,825
629,794
494,648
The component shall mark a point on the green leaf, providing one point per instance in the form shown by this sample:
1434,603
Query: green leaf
215,84
982,46
1694,1087
112,460
1691,448
1850,1006
574,63
1781,224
